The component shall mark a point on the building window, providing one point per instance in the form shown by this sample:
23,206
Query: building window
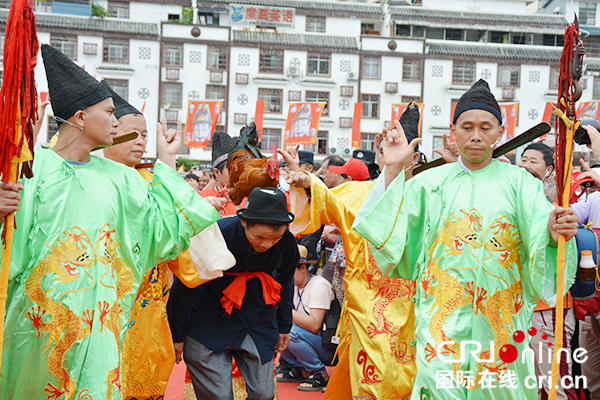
411,70
52,128
367,141
118,9
438,143
120,86
592,46
596,87
454,34
370,105
587,13
463,73
509,75
554,73
216,58
272,98
2,34
116,51
271,61
171,94
318,64
367,28
63,43
371,67
173,55
410,99
270,137
321,146
319,97
216,92
498,37
315,24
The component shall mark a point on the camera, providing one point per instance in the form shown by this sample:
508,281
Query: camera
581,135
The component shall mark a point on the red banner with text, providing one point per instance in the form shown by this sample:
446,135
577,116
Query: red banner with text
201,122
302,123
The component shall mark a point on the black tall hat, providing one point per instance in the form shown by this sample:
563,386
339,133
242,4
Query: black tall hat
410,122
71,88
122,107
478,97
222,144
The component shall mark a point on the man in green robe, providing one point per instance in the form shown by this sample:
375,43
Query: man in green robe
87,230
479,237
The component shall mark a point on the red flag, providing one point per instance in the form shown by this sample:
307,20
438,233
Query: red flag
358,107
258,117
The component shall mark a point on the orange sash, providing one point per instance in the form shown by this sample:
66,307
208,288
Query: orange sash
234,293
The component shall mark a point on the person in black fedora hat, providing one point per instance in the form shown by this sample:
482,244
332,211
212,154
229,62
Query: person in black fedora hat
250,307
266,206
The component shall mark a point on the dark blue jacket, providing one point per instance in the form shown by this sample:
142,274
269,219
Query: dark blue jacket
199,314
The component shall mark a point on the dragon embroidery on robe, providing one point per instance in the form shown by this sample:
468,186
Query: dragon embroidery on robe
65,262
50,316
450,294
388,289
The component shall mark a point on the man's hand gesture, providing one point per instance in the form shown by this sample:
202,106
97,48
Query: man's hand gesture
169,141
396,151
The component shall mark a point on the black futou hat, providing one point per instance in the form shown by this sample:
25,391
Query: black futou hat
222,144
366,156
306,157
122,107
410,122
478,97
71,88
266,205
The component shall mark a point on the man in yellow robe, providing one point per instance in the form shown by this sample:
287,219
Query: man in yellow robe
376,350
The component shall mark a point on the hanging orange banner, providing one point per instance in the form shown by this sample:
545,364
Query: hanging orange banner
398,109
201,122
358,107
258,118
302,123
510,111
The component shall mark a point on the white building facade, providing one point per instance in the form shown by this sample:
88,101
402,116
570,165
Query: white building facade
339,53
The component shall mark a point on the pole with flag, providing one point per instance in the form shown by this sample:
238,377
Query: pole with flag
569,91
18,113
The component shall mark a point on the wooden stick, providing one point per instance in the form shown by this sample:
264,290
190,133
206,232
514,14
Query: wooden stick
120,139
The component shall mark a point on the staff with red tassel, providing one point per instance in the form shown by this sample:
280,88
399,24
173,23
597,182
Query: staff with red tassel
571,65
18,113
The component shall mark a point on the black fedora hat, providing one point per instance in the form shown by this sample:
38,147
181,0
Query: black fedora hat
266,205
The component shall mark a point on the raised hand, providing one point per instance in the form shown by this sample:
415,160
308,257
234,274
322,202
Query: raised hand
589,173
396,151
169,141
595,139
299,179
41,112
450,151
291,158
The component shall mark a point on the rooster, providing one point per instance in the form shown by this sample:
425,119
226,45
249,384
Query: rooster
248,168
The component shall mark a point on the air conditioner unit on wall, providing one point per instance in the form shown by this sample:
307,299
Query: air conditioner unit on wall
352,76
340,151
293,71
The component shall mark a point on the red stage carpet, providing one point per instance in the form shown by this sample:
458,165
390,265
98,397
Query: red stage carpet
285,391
